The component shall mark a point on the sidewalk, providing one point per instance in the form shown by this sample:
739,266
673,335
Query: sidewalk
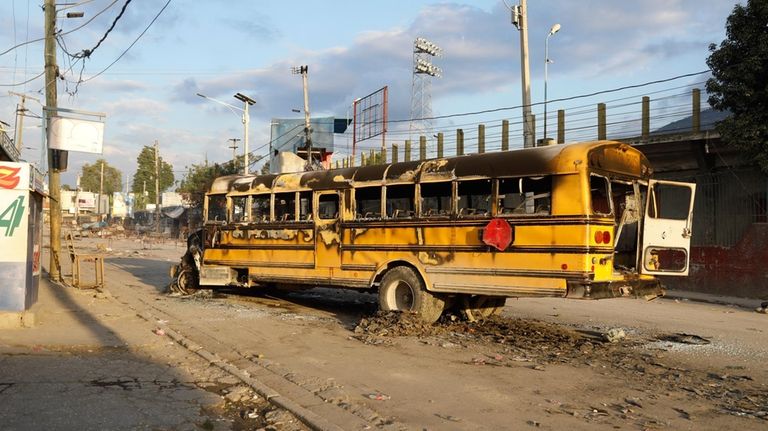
748,303
89,363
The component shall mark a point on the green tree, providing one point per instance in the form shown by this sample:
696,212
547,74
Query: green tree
145,176
739,82
199,178
90,179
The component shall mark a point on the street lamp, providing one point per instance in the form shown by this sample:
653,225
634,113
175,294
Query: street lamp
247,101
555,28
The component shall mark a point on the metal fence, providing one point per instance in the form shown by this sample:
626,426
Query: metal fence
727,203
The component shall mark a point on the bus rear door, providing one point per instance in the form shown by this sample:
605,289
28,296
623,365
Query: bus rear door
667,228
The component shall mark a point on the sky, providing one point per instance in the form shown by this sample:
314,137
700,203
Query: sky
352,48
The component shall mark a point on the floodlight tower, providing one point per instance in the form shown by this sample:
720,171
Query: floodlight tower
421,89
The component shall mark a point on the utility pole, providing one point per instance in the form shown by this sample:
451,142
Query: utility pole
234,151
77,200
101,187
303,71
520,20
157,188
51,102
20,109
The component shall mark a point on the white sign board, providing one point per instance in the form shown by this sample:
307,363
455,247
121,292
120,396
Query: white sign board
73,134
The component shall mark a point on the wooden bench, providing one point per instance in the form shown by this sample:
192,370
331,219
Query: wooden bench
76,258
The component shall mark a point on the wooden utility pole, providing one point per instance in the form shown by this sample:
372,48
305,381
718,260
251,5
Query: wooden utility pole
157,188
51,102
234,151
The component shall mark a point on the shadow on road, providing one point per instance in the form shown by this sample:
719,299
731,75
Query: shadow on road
149,271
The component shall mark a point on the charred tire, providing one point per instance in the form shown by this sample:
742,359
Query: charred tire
479,307
187,281
402,289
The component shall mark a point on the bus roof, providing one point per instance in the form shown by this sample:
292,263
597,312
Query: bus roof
610,156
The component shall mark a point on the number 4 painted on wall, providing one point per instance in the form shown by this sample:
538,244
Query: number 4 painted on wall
10,219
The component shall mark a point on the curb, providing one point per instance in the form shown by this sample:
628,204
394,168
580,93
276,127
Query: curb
307,417
745,303
17,319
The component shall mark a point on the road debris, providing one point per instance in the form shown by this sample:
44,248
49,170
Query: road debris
448,417
615,335
683,338
378,396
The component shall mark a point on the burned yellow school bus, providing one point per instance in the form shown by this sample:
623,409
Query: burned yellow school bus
582,220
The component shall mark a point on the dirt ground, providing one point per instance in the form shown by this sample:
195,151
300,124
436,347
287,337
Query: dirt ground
544,363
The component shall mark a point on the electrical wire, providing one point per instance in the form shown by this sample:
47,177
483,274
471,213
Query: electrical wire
131,45
87,52
60,34
25,82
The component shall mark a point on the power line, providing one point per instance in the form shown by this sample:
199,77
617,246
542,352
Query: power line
22,83
564,99
87,52
60,34
129,46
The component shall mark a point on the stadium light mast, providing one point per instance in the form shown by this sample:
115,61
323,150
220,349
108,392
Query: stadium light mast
421,89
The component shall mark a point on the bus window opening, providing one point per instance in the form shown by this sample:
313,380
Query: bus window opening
435,199
217,208
474,198
400,201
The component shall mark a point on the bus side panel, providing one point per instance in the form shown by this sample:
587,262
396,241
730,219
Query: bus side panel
267,250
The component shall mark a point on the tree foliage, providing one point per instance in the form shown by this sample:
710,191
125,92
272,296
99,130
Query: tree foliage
199,178
739,80
90,180
145,176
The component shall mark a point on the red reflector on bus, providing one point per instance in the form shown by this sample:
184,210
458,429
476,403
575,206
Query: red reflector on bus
564,266
607,237
599,237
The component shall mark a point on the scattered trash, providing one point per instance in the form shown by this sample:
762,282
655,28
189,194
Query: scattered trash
159,331
448,417
378,396
683,338
237,394
534,424
615,335
683,414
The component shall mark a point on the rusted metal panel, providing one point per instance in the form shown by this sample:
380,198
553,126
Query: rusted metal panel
328,180
402,172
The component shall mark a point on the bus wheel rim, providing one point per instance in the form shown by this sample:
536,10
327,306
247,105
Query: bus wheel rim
403,296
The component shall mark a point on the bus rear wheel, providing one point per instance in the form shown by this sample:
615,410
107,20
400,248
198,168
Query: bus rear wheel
402,289
480,307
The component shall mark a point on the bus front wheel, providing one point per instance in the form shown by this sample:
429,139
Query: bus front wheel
479,307
402,289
